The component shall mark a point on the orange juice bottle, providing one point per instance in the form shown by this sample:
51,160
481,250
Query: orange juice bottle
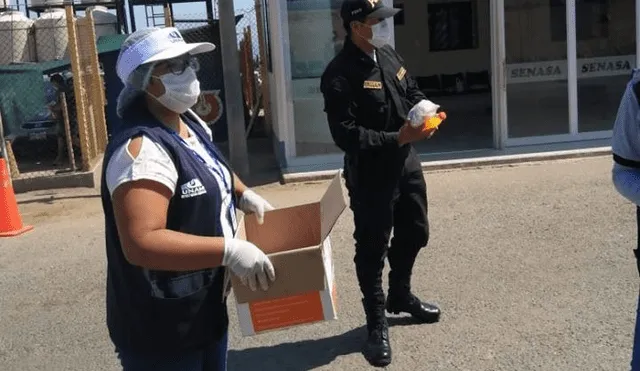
434,121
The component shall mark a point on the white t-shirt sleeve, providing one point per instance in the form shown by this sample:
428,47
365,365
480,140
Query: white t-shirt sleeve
152,163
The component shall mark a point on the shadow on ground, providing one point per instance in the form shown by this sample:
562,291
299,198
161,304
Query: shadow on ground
404,320
306,354
50,199
298,356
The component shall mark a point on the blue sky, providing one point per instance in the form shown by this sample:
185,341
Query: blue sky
198,10
195,10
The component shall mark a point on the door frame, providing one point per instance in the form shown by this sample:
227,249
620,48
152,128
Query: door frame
498,74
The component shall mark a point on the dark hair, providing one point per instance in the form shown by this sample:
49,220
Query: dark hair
347,24
136,110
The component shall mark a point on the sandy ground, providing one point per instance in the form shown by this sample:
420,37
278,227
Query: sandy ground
531,264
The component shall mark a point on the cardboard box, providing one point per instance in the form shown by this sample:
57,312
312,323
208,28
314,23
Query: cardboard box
296,239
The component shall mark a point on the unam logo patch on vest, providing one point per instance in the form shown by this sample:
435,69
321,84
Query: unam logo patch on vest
192,189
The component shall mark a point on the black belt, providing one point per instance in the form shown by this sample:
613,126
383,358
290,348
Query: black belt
625,162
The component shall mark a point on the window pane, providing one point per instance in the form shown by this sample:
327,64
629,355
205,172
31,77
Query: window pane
452,26
536,48
452,66
606,56
315,36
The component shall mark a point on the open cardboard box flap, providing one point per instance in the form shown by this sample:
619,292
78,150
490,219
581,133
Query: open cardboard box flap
292,238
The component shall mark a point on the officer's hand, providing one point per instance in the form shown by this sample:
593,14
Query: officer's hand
409,134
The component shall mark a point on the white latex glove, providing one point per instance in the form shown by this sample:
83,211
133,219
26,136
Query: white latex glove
248,262
251,202
421,111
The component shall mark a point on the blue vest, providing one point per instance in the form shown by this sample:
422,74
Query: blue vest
155,311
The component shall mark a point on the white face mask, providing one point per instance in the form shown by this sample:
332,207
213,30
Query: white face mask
381,34
181,91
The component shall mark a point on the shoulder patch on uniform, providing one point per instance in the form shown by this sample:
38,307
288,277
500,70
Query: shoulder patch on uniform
338,84
368,84
401,73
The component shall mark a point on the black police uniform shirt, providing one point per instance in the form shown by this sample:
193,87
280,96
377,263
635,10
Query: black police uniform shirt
366,103
160,311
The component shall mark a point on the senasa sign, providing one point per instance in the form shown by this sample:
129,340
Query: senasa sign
557,70
606,66
535,72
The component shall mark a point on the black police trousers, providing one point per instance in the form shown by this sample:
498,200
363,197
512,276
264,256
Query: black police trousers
398,203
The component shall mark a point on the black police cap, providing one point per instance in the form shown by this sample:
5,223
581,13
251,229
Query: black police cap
358,10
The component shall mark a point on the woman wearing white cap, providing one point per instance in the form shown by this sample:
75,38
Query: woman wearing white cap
169,201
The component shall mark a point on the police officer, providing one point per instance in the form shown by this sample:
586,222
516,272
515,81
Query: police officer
368,94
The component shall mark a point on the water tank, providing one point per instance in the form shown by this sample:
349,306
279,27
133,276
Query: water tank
52,37
96,1
17,44
105,22
45,3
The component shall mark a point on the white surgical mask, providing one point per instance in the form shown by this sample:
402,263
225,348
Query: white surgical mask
381,34
181,91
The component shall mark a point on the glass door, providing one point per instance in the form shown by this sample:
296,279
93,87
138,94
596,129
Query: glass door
315,36
606,52
451,61
536,69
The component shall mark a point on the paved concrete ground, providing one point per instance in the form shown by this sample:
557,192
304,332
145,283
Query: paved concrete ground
531,264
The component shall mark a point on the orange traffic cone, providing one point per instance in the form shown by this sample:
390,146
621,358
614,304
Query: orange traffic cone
10,219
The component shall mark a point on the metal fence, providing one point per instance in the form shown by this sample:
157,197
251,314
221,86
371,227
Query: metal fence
210,106
51,94
252,50
88,89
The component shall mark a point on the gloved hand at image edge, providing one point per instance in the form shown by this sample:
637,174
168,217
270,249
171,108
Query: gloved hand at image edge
251,202
248,262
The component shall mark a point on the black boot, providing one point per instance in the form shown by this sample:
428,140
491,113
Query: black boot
400,298
409,303
377,349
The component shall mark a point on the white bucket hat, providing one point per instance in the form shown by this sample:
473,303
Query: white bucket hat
161,44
